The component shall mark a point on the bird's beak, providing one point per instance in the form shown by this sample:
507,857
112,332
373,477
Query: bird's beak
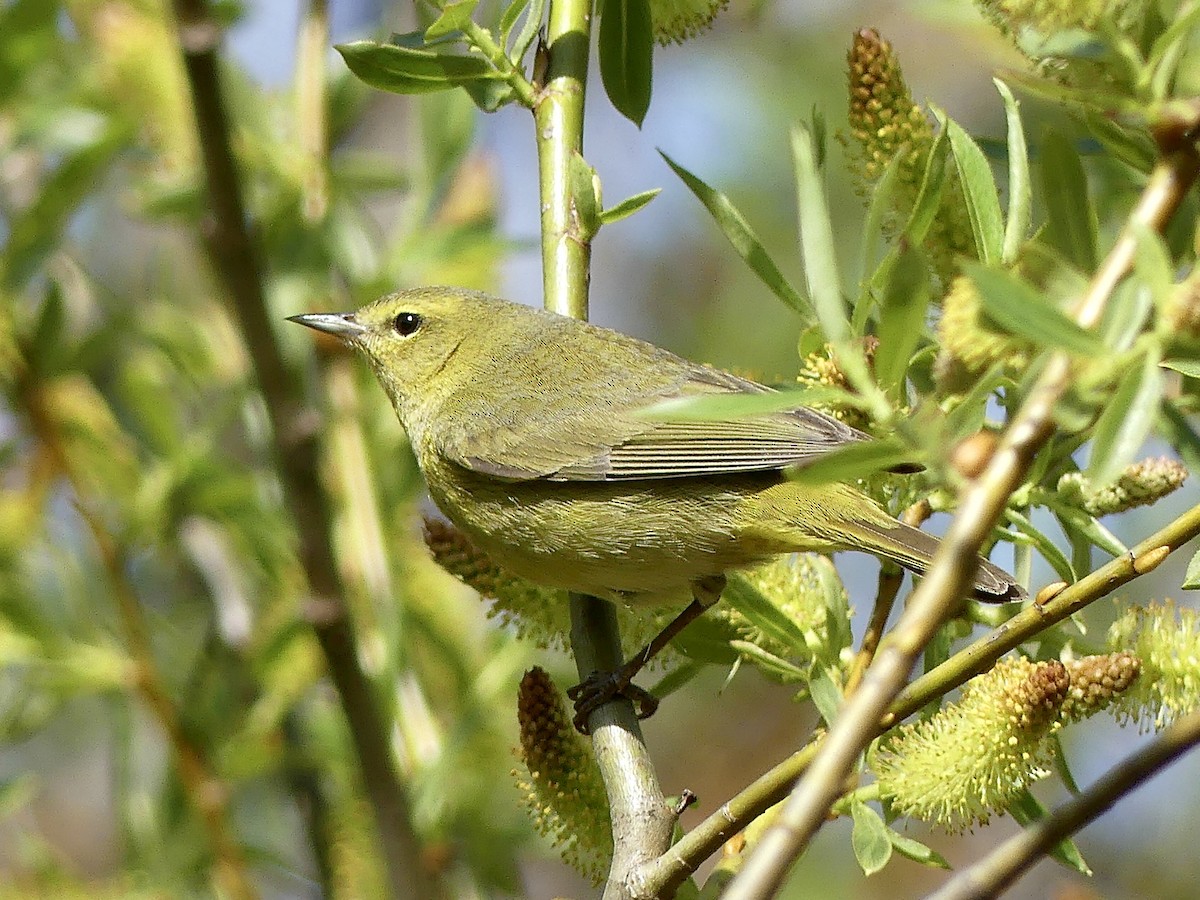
341,325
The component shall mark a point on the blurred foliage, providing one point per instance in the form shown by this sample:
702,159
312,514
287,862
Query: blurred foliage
150,591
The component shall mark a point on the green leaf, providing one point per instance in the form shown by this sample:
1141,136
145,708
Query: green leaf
1020,309
901,317
1126,420
1071,219
454,16
724,407
529,31
739,233
853,461
585,195
772,665
628,206
870,840
1191,578
916,851
826,696
1188,367
1020,194
1152,263
816,239
407,70
929,197
879,212
1027,810
1049,550
508,18
979,190
626,48
1088,527
760,612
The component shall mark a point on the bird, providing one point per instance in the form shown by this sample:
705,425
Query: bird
542,438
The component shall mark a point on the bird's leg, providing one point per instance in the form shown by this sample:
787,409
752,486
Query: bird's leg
600,687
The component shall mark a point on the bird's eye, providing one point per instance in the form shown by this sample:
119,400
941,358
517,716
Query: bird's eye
406,323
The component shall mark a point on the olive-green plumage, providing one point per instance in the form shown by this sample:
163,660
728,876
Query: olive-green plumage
530,432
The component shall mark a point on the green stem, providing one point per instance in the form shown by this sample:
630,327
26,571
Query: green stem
558,116
481,39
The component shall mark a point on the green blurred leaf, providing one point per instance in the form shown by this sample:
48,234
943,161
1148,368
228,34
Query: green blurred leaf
916,851
508,18
735,227
1191,578
770,664
870,839
628,206
854,461
816,238
1088,527
760,612
723,407
35,230
1049,550
1070,217
626,50
979,190
1152,264
407,70
1020,309
529,31
1188,367
902,311
1020,191
1126,420
826,695
1027,811
929,197
454,16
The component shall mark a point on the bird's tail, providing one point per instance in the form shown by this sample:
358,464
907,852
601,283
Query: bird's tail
913,549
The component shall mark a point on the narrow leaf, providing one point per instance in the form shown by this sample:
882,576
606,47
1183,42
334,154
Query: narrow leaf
916,851
1020,193
1071,219
724,407
929,198
854,461
1188,367
979,189
1020,309
760,612
454,16
826,696
405,70
901,317
1126,420
1027,810
1191,578
739,233
626,48
585,194
628,206
816,239
1049,550
869,838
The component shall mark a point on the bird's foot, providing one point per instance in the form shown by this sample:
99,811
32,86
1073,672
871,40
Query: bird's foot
601,687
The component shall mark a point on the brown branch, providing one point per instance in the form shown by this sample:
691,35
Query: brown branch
294,428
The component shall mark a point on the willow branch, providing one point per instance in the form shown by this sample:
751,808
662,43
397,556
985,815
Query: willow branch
953,567
641,820
294,429
1004,865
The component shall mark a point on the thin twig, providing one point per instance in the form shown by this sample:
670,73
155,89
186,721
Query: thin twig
295,432
999,869
950,573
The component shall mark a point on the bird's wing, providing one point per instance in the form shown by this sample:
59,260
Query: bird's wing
621,444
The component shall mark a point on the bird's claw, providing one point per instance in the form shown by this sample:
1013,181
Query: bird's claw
601,687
